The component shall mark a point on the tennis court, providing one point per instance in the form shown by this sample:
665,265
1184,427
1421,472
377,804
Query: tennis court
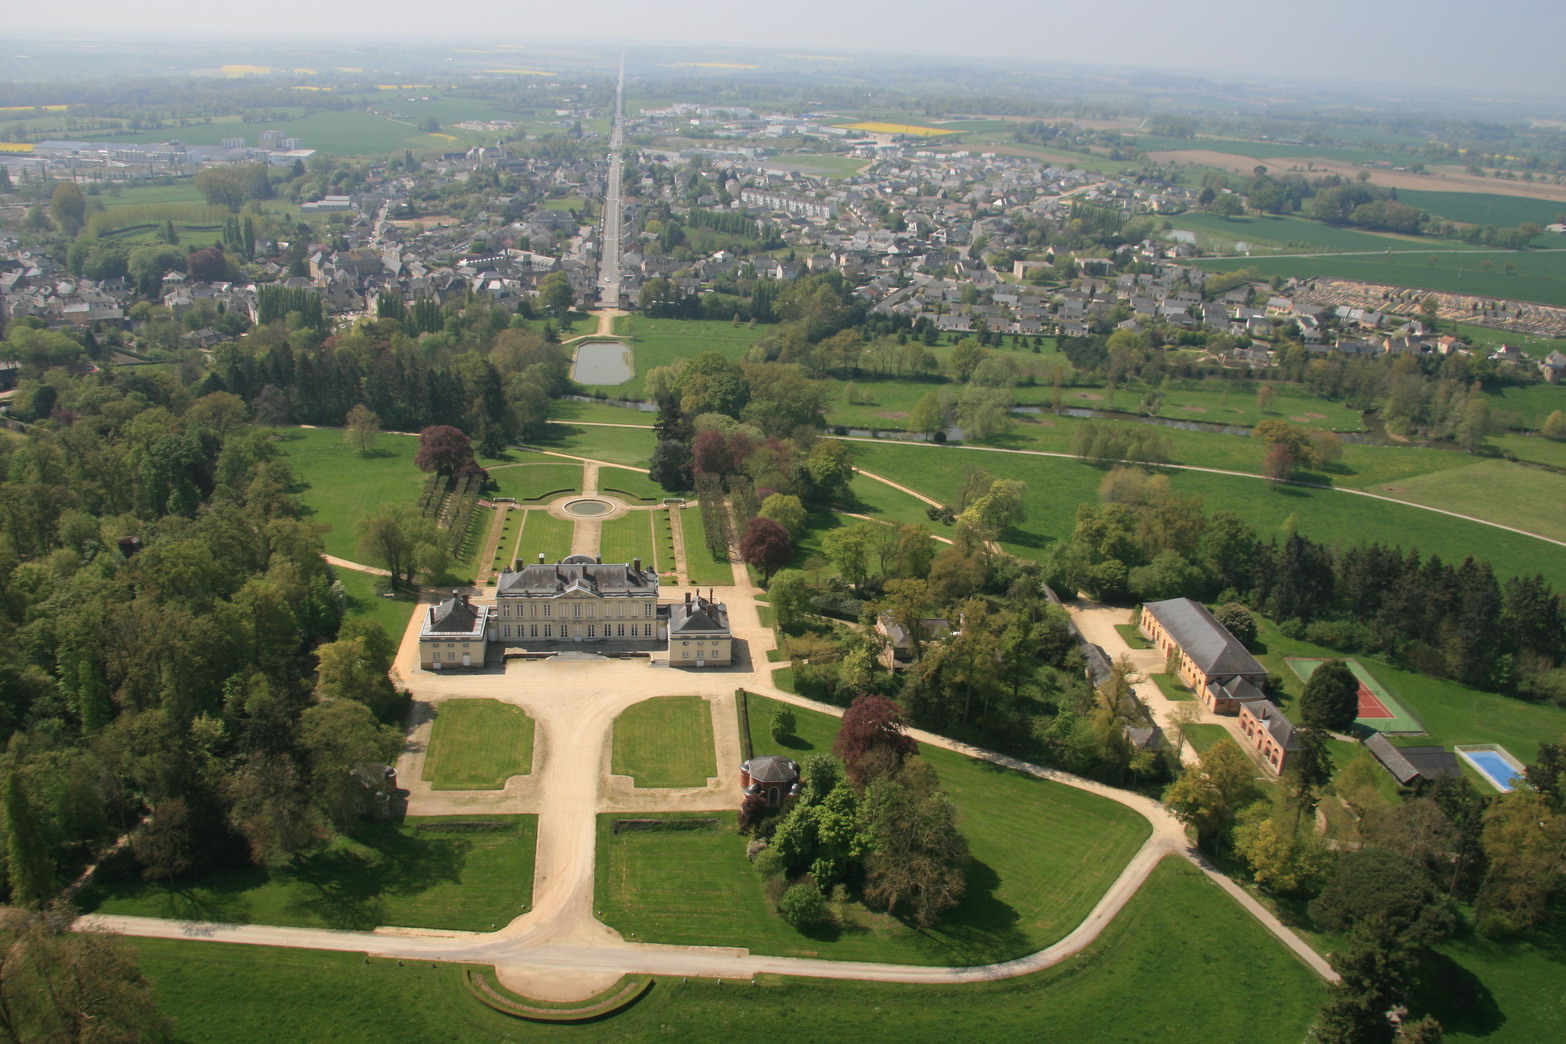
1378,710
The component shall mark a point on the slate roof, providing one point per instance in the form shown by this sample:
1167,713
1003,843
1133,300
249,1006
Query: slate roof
698,616
1410,763
455,616
601,579
772,768
1272,719
1214,651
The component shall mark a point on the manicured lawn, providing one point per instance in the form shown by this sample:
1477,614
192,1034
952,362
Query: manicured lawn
478,745
658,342
704,569
631,446
421,873
537,482
1527,498
630,481
1132,634
666,742
365,602
629,537
218,991
1506,989
565,411
1055,486
882,502
1203,737
1172,687
1043,853
339,486
542,532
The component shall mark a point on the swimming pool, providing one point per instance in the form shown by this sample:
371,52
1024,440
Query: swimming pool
1495,763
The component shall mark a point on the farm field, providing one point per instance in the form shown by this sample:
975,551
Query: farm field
1476,208
1269,233
421,873
1530,404
219,991
666,742
1538,275
1056,486
703,568
478,745
1524,497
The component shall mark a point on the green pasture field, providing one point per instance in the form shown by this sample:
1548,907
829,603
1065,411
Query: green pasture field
424,872
631,481
347,132
628,446
1361,466
217,991
1288,234
1055,486
666,742
564,203
365,603
630,537
1483,208
822,166
163,190
478,745
658,342
1531,404
1539,276
542,532
339,487
550,477
1402,722
1531,447
1451,713
1043,853
703,569
1528,498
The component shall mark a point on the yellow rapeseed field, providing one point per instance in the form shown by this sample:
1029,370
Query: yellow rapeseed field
896,128
15,146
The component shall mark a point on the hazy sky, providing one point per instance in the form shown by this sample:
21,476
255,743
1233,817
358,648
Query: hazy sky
1510,45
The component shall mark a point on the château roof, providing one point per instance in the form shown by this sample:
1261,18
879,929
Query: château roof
455,616
601,579
698,615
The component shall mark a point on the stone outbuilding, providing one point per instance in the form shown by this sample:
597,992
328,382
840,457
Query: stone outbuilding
699,634
772,777
454,634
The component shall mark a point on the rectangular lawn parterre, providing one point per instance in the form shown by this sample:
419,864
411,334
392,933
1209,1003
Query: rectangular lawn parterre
666,742
1043,853
218,991
543,533
628,537
478,745
543,481
703,568
458,872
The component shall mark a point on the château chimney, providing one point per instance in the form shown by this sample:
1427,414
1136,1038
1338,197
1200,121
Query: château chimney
636,564
540,558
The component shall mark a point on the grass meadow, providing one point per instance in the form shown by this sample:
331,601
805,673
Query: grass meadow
421,872
338,485
1043,853
366,602
666,742
217,991
478,745
1055,486
659,342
